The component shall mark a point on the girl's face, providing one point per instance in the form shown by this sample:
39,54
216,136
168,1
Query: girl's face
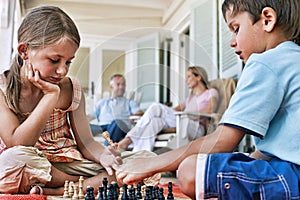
53,61
192,80
247,38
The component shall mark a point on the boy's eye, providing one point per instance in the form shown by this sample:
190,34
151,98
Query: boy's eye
236,29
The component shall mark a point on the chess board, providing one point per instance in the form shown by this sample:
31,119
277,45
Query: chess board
111,191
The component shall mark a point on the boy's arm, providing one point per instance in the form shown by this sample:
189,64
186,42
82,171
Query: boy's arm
224,139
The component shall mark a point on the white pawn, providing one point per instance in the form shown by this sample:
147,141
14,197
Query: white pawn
66,190
71,189
75,195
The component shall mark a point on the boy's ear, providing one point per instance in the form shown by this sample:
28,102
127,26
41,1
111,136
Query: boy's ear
269,19
23,50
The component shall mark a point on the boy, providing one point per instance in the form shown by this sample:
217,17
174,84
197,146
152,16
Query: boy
266,105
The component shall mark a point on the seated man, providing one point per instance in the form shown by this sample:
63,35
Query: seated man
112,114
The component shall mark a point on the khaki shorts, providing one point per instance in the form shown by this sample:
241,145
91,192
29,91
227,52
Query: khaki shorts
21,167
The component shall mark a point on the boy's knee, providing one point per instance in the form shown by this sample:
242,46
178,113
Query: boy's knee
186,175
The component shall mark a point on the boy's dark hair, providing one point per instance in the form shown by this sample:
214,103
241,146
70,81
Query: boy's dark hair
288,17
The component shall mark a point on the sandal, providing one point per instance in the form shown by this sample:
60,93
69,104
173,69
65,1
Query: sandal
36,189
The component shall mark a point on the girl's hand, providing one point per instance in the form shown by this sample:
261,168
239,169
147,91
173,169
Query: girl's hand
34,77
110,159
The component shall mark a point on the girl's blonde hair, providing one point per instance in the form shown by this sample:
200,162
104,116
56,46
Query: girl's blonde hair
41,27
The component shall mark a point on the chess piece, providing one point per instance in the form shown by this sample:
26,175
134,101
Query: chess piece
89,193
104,184
161,194
80,188
139,191
170,191
107,137
66,190
100,193
75,194
125,194
71,189
148,194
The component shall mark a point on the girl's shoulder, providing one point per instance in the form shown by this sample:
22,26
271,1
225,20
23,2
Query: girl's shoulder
70,88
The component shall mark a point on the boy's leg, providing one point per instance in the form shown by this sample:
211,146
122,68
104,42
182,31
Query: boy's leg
237,176
186,176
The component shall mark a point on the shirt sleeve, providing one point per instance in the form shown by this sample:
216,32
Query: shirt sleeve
256,100
133,107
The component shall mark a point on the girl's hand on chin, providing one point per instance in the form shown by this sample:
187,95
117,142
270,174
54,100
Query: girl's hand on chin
34,77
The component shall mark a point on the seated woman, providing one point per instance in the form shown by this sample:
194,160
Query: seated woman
159,117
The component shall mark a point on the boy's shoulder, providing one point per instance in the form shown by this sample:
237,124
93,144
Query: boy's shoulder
280,52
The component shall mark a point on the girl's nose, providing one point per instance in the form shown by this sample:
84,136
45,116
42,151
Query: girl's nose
62,70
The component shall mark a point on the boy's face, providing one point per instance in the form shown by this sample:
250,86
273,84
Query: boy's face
247,38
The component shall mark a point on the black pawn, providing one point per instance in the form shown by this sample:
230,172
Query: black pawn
100,193
116,191
110,195
170,191
125,194
90,194
139,191
161,194
148,194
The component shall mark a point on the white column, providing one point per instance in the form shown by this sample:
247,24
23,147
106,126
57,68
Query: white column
6,33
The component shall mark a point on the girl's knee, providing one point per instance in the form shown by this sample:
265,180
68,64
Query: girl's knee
186,175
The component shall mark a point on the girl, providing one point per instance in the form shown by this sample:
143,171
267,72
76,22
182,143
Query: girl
46,138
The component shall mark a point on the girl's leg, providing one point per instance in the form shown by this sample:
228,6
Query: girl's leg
56,185
186,176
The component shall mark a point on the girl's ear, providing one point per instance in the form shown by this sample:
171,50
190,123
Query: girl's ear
23,50
269,19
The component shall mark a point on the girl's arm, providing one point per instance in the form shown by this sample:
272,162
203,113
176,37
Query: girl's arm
27,133
89,148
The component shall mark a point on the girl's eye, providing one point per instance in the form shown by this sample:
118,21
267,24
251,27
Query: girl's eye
68,63
54,61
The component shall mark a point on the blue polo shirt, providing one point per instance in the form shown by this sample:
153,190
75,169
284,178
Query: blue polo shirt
107,110
267,101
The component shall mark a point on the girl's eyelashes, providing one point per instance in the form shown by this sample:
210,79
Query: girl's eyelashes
53,61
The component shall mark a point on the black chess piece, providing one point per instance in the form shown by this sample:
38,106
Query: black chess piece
125,193
90,194
148,194
100,193
116,191
104,185
161,194
170,191
110,195
139,191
